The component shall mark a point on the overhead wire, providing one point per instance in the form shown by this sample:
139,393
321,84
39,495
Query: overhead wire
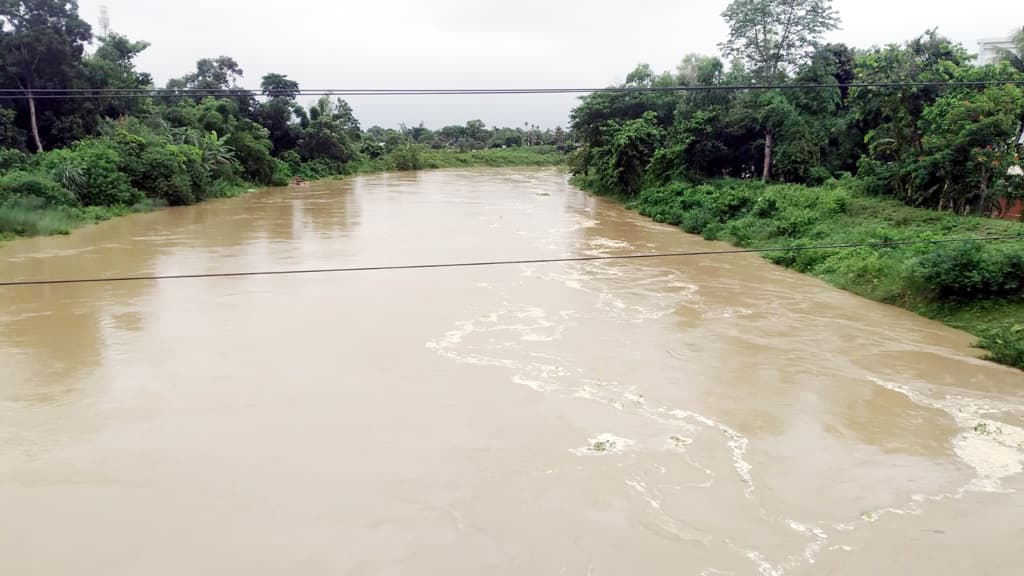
79,93
491,263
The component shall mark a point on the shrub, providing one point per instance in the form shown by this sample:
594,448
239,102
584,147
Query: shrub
1005,345
696,221
407,157
252,150
12,159
971,271
95,165
20,185
282,173
163,176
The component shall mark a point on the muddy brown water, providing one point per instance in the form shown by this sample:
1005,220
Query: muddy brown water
706,416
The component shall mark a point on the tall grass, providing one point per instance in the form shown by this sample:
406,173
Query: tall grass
33,217
29,217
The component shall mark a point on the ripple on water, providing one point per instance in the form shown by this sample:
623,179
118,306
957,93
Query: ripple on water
625,292
995,450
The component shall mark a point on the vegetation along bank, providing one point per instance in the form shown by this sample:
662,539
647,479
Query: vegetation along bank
861,159
69,161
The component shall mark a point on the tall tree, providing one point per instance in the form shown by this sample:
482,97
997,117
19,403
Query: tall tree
276,114
1015,55
113,66
279,86
41,46
774,37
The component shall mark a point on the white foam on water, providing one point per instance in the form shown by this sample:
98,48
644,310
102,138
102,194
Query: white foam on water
840,548
580,223
995,450
604,246
604,444
640,487
764,567
736,442
724,313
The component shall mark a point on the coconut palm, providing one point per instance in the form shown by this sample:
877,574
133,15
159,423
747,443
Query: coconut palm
1015,56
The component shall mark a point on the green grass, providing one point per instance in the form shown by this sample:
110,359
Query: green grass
32,217
976,287
29,217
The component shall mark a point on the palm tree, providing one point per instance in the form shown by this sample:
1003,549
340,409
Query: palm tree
216,151
1015,56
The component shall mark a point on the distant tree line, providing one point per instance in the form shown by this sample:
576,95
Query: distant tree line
121,150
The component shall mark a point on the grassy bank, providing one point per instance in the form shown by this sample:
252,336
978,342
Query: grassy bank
976,287
420,158
31,216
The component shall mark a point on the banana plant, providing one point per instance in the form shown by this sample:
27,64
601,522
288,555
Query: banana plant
216,151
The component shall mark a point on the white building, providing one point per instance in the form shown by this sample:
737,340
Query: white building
989,48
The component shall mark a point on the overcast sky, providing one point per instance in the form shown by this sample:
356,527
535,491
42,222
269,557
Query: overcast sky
483,43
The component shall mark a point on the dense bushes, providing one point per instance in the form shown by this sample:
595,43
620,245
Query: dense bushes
407,157
15,185
102,184
971,271
1005,344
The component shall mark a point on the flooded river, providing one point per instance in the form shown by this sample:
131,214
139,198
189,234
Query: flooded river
704,416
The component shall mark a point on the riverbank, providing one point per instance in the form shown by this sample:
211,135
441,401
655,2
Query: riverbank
976,287
32,216
412,157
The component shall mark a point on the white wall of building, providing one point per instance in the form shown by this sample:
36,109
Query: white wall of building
988,49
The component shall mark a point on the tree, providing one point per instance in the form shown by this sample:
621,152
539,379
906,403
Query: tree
774,37
331,133
969,145
41,46
279,86
889,116
1015,56
218,73
619,165
276,113
113,66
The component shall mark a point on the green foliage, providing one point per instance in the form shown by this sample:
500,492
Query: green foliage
407,157
92,169
772,36
251,147
30,216
626,150
1005,344
12,159
41,46
966,272
12,136
104,184
24,185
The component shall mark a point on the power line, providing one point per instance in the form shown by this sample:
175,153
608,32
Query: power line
79,93
488,263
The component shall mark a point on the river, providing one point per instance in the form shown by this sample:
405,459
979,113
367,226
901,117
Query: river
703,415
